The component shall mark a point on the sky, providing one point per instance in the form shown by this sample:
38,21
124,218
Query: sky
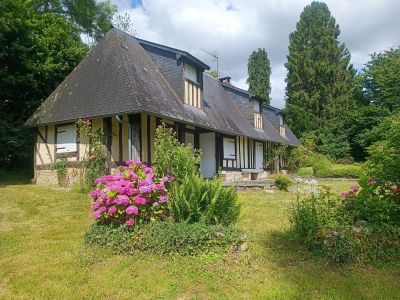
232,29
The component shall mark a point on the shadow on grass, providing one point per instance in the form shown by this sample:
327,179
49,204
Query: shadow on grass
13,177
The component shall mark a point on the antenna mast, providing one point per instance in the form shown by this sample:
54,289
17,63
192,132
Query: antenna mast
213,55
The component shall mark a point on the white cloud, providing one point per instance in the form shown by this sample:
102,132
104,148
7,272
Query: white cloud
233,29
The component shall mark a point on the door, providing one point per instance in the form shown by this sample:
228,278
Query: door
208,159
259,156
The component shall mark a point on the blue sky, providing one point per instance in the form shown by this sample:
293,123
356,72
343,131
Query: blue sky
234,28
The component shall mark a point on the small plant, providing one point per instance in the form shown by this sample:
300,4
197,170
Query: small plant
282,182
172,157
93,161
60,166
164,237
133,195
207,201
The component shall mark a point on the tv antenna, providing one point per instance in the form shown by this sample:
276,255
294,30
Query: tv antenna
213,55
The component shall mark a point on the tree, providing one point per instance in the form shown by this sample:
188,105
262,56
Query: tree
259,72
38,51
89,16
320,79
124,23
213,73
380,79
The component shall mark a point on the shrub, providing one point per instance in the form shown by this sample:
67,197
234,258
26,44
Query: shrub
304,155
60,166
384,156
305,172
341,171
322,165
282,182
172,157
94,157
164,237
346,228
206,201
133,195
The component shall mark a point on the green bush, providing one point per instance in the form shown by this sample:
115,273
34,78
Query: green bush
172,157
340,171
305,172
282,182
384,156
164,237
61,168
304,155
345,229
199,200
321,165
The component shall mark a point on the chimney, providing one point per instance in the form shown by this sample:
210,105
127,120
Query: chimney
226,80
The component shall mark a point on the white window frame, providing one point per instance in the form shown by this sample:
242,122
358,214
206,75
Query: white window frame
66,138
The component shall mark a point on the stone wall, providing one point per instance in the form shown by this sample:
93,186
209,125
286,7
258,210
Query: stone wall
49,177
232,176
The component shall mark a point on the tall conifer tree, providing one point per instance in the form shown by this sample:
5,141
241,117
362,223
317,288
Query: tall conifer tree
259,72
319,91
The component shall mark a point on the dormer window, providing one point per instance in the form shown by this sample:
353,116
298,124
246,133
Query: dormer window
193,95
257,115
282,129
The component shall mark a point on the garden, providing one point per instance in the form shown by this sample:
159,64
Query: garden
165,232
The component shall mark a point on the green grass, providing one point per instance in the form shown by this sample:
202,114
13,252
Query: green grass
42,256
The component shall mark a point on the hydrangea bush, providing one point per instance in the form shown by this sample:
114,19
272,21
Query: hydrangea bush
132,195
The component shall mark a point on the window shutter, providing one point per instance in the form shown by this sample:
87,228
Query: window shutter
229,148
66,139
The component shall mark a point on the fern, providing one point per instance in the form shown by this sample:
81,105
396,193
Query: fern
206,201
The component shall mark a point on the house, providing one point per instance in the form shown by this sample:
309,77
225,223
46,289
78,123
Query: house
127,87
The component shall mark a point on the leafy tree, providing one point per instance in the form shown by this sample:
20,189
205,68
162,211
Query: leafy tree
124,23
90,16
38,51
213,73
320,80
259,72
380,80
365,128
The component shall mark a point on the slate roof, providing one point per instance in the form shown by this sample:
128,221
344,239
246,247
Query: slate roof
118,76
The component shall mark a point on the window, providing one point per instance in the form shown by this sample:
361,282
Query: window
66,139
193,94
190,73
229,148
257,106
282,129
258,120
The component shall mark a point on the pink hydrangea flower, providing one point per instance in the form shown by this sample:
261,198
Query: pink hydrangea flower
140,200
159,186
155,204
95,194
129,162
145,189
132,210
112,210
123,200
130,222
163,199
354,188
147,170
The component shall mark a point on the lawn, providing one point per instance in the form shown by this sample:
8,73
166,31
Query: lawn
42,255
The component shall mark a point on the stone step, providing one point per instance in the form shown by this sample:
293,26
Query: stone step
250,184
